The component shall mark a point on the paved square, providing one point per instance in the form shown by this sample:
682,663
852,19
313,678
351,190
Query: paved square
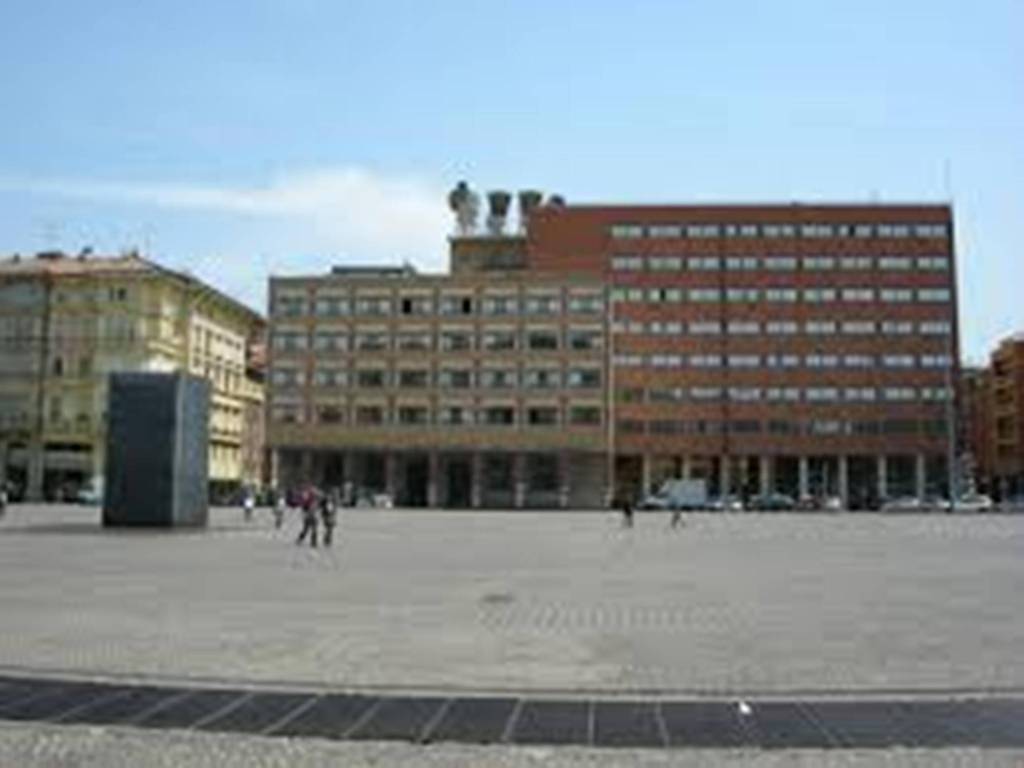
537,601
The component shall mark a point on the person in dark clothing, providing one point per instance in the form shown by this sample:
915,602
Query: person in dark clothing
308,502
627,513
327,518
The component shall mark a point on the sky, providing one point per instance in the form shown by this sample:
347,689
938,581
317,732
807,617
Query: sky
239,139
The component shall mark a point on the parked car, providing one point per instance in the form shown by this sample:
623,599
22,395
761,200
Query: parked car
808,504
90,495
902,504
974,502
772,502
832,504
725,504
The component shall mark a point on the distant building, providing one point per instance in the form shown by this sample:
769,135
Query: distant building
66,322
599,349
992,414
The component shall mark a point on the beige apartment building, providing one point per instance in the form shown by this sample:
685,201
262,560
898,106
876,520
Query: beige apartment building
485,388
67,322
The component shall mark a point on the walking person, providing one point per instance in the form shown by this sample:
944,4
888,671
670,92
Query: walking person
627,513
248,505
307,501
3,498
328,517
279,507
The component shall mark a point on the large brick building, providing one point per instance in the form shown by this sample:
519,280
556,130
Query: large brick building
803,348
992,407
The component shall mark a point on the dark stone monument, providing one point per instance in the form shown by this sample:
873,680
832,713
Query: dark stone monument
157,442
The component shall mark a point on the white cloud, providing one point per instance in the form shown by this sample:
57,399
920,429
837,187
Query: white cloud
302,221
351,210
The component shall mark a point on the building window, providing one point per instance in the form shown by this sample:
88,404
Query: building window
371,379
496,341
739,295
543,305
455,378
500,305
897,327
371,342
933,294
705,295
858,327
627,231
542,378
744,394
666,361
456,341
586,305
935,328
331,307
779,263
415,342
456,415
778,230
584,378
585,415
330,377
735,263
820,327
665,263
583,340
819,295
782,394
498,378
899,394
706,361
369,415
744,361
542,416
898,361
821,361
290,306
288,377
859,394
705,328
933,263
457,305
859,361
542,340
894,263
703,263
781,327
329,414
374,306
410,415
744,327
780,295
855,263
858,294
627,263
819,263
499,416
417,379
665,230
330,340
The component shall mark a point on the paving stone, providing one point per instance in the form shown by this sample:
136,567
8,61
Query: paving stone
190,710
553,722
399,718
330,717
257,713
705,724
475,720
626,724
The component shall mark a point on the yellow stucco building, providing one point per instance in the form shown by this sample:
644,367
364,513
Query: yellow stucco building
67,322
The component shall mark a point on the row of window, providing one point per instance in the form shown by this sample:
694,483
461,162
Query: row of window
341,306
417,415
783,295
858,394
901,361
632,231
454,378
837,427
663,263
782,327
539,340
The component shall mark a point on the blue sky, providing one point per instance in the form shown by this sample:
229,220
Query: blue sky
236,138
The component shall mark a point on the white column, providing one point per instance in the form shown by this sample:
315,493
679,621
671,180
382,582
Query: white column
391,476
687,467
724,476
920,478
477,479
34,471
433,479
564,483
765,475
519,478
804,477
843,480
645,475
883,477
